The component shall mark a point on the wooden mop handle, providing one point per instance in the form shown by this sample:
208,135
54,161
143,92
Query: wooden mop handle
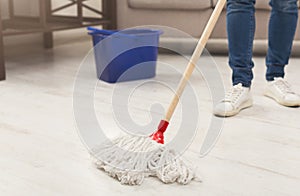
195,57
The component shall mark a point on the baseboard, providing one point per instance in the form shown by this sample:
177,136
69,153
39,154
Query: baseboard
216,46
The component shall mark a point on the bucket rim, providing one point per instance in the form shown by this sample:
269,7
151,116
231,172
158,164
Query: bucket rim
143,32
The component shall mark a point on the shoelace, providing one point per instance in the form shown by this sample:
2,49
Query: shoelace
234,94
283,86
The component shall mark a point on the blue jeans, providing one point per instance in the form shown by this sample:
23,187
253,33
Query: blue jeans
241,29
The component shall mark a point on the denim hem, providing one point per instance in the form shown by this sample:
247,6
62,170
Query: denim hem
274,71
244,84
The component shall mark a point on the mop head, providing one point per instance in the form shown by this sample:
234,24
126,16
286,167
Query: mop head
131,159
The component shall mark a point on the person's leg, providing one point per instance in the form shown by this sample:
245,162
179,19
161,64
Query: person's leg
282,27
240,29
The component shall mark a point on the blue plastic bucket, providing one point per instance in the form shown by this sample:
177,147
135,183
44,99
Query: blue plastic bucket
125,55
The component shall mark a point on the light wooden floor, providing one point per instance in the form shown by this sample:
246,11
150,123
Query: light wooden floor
41,153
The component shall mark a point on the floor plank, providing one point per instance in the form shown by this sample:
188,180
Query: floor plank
41,152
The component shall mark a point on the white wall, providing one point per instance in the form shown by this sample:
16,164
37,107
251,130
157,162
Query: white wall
72,10
30,7
21,7
4,9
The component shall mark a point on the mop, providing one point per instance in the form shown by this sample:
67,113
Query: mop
130,159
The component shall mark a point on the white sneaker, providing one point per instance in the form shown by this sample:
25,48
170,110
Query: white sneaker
236,99
281,91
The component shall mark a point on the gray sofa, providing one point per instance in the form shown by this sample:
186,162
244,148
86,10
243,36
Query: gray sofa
191,17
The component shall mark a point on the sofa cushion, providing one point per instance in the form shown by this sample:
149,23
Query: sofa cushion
263,4
170,4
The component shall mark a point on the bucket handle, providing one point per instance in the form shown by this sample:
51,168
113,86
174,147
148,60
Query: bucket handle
111,32
102,31
108,32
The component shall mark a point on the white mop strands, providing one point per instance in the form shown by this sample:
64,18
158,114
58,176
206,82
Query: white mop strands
131,159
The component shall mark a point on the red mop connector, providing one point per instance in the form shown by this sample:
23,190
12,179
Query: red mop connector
158,136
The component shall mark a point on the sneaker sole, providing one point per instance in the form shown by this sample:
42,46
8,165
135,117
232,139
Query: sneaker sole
244,105
281,102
